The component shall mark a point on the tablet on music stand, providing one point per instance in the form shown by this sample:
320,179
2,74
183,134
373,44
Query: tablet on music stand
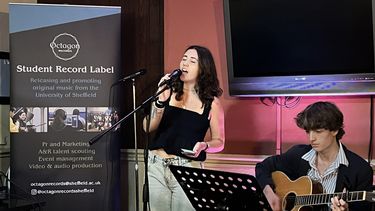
218,190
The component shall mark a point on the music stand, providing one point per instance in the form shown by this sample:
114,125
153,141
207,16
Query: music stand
218,190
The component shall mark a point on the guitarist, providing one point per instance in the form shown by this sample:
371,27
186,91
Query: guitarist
325,160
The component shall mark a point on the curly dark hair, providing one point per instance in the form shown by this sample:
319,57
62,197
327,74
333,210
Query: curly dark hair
322,115
207,83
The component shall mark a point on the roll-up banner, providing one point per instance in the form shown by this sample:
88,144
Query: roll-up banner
64,59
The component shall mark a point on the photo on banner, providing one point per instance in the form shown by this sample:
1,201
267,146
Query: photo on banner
66,119
30,119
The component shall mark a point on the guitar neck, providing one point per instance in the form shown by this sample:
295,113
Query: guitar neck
319,199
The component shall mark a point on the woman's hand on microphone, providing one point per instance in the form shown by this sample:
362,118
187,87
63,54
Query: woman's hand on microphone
164,95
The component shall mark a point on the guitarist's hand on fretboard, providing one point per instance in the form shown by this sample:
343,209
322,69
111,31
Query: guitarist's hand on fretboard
339,204
272,198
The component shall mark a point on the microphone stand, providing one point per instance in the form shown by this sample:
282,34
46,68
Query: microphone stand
136,150
132,77
100,135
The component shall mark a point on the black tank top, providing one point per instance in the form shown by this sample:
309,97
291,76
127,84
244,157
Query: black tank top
180,128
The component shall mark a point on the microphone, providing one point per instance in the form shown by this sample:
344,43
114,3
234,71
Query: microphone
140,72
172,77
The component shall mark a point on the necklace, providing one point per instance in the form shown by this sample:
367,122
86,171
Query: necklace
189,90
183,104
192,91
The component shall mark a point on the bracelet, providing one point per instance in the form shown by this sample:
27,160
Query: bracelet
206,146
159,104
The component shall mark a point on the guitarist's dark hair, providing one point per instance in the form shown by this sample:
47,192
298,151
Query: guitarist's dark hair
322,115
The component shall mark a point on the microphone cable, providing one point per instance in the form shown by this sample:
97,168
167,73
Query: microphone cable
371,129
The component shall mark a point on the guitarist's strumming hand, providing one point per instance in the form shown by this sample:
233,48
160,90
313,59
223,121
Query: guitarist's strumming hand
339,204
272,198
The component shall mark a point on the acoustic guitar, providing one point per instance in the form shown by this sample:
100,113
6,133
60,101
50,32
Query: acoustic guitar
302,193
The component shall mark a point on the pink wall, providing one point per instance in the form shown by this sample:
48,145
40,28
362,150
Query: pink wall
251,127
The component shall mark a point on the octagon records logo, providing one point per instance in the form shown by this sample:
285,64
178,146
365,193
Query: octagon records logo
65,46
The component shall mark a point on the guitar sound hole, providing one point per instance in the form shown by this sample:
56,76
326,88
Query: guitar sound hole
289,201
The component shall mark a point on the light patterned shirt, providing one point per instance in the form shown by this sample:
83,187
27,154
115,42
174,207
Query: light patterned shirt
329,177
